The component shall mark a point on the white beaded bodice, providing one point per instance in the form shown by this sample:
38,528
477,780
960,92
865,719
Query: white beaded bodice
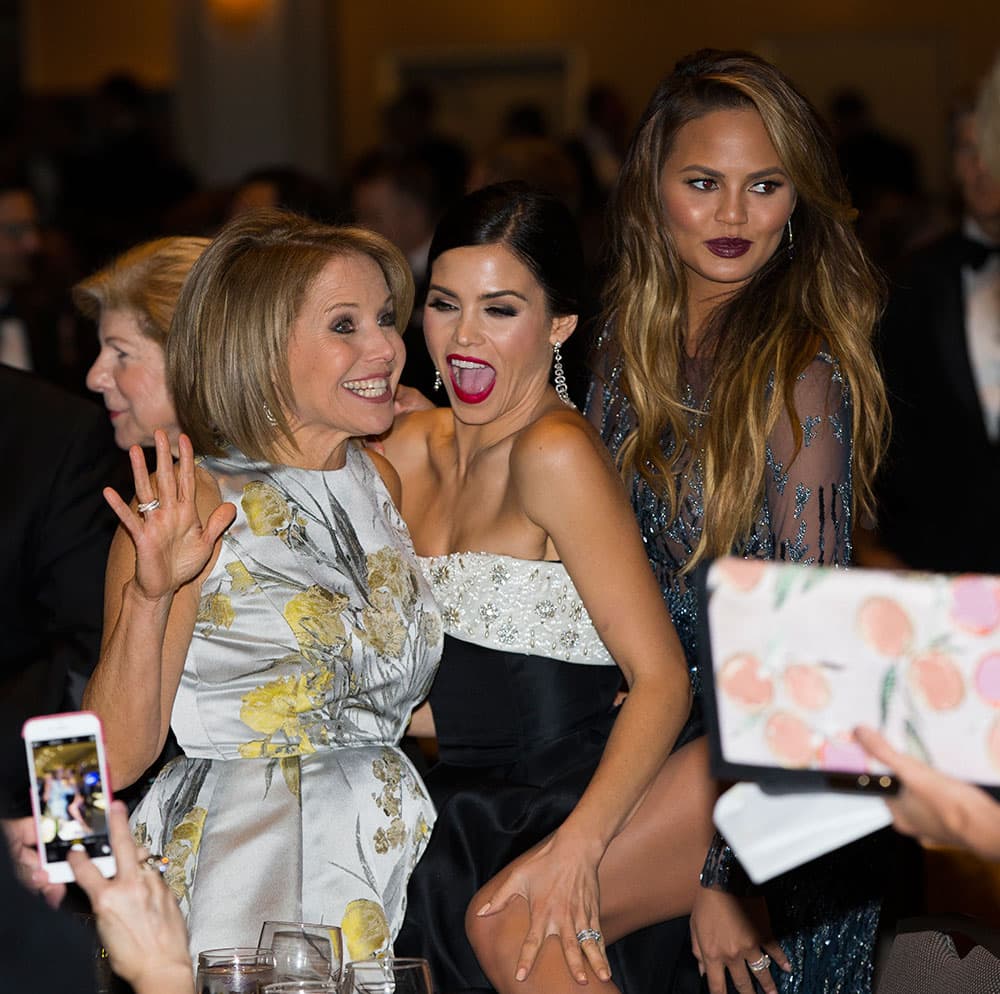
514,605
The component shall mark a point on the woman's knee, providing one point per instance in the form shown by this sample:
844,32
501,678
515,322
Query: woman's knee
481,930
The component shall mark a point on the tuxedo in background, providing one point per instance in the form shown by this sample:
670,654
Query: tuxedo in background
939,487
57,453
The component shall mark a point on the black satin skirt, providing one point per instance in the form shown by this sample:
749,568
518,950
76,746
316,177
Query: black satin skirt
519,739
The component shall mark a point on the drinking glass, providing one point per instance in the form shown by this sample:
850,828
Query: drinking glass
303,950
303,987
392,975
236,970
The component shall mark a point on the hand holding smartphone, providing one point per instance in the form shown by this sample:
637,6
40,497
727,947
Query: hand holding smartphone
70,792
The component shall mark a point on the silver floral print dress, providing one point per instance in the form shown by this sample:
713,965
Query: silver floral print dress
316,637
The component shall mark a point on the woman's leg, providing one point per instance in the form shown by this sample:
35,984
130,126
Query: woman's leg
649,874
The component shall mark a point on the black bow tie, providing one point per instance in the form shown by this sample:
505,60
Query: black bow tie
976,254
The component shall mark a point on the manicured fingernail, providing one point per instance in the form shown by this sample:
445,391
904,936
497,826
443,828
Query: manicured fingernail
484,908
521,973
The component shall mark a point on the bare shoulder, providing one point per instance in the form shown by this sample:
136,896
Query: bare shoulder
414,431
207,493
559,446
422,423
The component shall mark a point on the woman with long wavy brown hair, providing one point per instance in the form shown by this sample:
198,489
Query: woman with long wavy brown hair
740,396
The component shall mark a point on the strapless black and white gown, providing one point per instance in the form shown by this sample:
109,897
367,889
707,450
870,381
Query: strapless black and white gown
523,704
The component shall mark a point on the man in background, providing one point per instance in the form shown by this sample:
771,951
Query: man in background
57,453
939,486
20,244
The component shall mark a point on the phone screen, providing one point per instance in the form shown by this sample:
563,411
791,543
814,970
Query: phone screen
71,796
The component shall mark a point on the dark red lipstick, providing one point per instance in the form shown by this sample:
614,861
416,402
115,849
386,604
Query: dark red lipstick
728,248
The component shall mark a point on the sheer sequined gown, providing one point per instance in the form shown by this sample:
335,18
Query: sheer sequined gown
826,913
523,708
316,636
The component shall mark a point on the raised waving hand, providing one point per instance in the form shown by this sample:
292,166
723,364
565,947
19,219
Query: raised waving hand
172,546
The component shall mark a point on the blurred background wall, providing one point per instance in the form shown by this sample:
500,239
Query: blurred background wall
306,78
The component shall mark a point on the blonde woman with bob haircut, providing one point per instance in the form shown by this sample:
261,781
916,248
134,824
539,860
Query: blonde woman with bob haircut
132,300
287,639
742,401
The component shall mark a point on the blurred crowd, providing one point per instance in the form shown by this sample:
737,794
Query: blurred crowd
84,178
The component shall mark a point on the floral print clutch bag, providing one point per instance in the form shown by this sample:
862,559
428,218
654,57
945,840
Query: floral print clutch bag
795,657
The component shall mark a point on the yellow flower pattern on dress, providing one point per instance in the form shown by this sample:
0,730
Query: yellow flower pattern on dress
242,581
383,627
267,511
291,771
387,571
431,628
216,611
278,706
423,830
365,930
184,843
389,770
315,618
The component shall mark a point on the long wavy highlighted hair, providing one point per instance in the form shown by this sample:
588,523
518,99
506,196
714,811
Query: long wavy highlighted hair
823,296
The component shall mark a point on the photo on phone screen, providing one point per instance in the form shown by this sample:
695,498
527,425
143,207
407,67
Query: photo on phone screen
71,796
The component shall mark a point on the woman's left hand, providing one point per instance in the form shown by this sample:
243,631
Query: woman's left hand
20,833
730,933
558,880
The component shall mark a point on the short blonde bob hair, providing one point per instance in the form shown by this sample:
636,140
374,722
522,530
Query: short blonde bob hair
227,354
145,281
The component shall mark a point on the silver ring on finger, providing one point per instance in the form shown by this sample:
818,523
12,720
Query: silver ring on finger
155,862
760,965
149,505
588,935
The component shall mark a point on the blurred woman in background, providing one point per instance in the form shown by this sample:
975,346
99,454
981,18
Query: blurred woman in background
133,301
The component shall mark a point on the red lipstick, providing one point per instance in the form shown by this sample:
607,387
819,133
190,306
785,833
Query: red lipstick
472,379
728,248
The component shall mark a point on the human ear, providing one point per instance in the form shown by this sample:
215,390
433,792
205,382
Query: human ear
562,327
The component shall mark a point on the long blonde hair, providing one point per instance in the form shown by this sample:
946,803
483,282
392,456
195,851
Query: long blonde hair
823,296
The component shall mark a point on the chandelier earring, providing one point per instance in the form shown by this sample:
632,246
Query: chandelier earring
559,374
437,380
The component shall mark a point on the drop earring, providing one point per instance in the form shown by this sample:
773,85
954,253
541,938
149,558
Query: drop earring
791,240
437,380
269,416
559,374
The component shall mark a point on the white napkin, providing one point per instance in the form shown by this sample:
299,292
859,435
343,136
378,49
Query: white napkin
772,832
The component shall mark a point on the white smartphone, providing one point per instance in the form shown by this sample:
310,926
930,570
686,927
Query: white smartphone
70,792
